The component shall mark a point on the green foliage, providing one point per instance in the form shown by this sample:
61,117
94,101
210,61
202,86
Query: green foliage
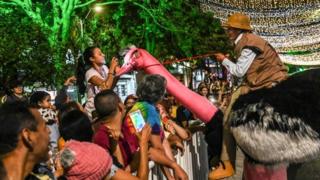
165,28
24,50
52,19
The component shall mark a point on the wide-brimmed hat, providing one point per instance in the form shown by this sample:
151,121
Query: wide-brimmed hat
239,21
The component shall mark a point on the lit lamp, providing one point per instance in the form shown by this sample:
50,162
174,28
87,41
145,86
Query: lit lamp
97,9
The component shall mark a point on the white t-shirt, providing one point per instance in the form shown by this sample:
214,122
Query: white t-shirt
93,90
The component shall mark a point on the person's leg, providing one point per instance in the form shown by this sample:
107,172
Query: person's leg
213,137
229,145
228,152
227,159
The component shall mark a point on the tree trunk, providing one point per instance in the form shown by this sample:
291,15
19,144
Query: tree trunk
65,29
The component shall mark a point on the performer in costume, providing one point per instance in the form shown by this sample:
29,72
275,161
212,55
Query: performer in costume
258,64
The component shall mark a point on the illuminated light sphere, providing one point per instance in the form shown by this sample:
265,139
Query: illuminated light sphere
98,9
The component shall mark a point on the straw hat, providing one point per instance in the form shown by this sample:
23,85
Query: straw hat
239,21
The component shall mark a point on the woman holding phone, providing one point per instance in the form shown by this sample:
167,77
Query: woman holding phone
93,75
151,91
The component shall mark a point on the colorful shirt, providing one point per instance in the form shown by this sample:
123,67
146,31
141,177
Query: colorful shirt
150,115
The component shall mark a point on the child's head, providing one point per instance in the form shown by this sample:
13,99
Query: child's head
68,107
130,101
93,55
16,87
76,125
203,90
40,99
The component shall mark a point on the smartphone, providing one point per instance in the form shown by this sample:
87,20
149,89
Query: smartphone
72,93
137,120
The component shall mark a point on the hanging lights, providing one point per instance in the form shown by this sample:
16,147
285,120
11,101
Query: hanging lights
291,26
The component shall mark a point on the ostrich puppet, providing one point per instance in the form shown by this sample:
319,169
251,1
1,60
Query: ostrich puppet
273,127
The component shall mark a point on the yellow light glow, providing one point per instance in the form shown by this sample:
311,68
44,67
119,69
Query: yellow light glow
98,9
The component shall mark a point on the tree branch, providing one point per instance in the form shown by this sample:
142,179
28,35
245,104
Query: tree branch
28,2
56,16
84,4
70,7
111,2
20,3
60,4
8,3
154,18
64,6
34,15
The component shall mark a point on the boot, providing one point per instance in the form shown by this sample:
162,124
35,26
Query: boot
224,170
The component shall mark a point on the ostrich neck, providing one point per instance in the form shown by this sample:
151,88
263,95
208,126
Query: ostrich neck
197,104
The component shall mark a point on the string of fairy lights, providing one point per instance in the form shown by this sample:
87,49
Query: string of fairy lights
291,26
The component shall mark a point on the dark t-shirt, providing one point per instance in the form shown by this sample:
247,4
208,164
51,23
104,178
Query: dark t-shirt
183,114
12,98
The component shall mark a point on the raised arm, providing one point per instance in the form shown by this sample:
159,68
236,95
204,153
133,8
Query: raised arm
110,81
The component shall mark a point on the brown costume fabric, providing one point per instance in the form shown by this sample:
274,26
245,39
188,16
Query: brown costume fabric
266,69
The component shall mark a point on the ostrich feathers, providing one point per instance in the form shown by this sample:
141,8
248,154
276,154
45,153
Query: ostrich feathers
280,124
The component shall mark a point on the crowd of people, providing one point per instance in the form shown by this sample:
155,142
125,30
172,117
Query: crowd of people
98,139
64,142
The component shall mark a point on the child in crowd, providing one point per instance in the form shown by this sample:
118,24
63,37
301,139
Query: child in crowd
130,101
42,101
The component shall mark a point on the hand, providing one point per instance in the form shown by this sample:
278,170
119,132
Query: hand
176,143
114,133
169,127
170,177
220,57
144,135
113,64
179,173
70,80
59,169
153,154
53,107
180,147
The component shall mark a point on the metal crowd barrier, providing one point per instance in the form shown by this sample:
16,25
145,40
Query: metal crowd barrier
194,160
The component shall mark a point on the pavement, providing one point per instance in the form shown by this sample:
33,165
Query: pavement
305,171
